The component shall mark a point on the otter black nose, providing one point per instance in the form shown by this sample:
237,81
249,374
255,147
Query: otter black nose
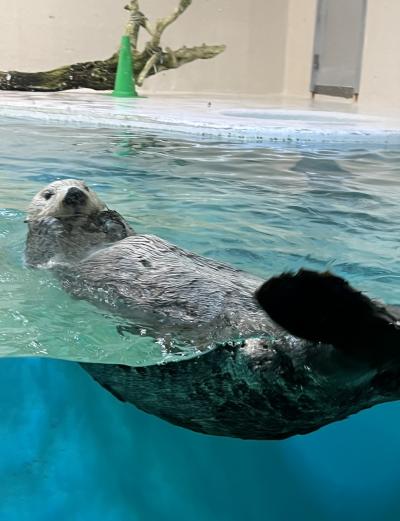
74,197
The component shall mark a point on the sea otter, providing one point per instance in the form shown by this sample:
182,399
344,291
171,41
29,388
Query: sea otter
290,355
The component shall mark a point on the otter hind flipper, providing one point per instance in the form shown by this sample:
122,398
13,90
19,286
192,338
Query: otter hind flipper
322,307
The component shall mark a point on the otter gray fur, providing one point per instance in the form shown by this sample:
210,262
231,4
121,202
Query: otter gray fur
260,382
164,288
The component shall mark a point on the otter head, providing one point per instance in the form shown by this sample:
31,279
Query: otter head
65,199
66,221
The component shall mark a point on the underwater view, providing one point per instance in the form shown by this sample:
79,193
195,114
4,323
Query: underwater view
263,208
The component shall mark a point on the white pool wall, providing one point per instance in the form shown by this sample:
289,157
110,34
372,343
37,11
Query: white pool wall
269,43
250,120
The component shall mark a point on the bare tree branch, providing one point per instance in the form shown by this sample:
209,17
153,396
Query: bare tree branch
170,59
151,63
136,20
100,75
163,23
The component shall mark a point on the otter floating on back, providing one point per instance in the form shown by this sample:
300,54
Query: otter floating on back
334,353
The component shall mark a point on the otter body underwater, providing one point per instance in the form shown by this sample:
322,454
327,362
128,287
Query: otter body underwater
334,352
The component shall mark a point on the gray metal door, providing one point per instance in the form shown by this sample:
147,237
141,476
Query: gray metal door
338,43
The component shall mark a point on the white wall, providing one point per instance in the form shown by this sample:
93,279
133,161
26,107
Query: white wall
299,46
42,34
254,32
269,43
380,77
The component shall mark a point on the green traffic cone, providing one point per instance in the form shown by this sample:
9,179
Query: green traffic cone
124,81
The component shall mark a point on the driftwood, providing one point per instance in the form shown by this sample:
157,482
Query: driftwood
99,75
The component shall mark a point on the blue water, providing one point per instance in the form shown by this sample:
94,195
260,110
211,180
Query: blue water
71,451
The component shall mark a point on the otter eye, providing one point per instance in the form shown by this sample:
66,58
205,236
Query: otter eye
48,195
86,188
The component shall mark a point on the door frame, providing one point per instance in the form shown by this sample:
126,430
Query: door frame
333,90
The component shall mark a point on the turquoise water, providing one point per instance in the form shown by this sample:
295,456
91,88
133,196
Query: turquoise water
69,449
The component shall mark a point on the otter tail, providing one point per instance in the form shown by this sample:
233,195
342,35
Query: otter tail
322,307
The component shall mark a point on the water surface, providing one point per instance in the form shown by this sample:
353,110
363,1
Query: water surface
69,449
262,209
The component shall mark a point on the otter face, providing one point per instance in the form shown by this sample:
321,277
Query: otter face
65,199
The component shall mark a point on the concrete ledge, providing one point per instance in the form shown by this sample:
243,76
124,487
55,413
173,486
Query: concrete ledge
250,120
